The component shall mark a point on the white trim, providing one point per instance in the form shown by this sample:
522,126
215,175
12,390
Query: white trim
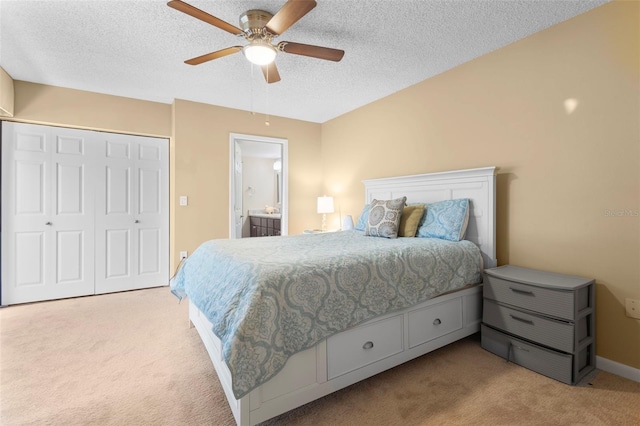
618,369
284,208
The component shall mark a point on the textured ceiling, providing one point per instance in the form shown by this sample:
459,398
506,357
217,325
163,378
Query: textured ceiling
137,48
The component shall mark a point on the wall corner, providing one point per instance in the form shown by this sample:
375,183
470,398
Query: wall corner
6,94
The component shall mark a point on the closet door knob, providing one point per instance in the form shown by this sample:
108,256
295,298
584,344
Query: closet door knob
48,223
136,221
437,321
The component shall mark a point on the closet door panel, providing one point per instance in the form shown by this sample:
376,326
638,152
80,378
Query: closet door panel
72,221
70,248
149,256
149,196
118,188
26,210
69,189
47,214
117,254
149,224
151,218
29,261
132,217
29,187
114,216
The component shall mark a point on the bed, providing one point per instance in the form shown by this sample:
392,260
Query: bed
301,316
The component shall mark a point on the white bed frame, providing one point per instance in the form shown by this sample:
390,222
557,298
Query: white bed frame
387,341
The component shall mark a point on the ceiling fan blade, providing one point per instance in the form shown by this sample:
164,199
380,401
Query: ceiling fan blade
271,74
312,51
288,15
203,16
213,55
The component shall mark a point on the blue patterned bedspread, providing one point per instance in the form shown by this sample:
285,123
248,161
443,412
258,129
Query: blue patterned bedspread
271,297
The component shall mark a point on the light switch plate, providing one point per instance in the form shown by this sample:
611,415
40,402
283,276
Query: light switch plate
632,308
183,200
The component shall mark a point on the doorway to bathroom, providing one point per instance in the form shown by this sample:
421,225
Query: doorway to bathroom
257,185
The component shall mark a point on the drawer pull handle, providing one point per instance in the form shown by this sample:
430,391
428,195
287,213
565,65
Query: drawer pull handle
510,350
367,345
521,348
517,290
437,321
526,321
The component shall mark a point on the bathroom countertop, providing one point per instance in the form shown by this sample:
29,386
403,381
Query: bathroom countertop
266,215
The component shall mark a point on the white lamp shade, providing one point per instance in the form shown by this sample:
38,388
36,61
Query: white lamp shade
347,223
325,204
259,52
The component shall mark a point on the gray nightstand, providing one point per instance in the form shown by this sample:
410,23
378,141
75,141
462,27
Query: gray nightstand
541,320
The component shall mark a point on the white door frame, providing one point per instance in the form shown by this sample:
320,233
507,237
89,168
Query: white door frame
284,209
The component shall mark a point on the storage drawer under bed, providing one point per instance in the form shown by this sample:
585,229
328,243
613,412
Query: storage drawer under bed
363,345
431,322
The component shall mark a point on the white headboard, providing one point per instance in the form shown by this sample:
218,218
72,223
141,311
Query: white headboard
478,185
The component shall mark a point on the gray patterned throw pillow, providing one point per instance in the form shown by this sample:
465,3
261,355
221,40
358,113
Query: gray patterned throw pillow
384,217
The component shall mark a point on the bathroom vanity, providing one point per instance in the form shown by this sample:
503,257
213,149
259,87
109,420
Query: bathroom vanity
264,224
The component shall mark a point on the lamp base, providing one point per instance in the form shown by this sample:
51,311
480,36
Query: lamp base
324,222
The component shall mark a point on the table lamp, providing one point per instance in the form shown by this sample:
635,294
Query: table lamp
325,205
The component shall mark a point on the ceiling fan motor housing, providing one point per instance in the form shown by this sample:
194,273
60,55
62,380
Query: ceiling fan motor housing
253,22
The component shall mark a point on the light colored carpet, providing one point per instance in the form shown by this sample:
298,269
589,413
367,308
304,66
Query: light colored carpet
131,359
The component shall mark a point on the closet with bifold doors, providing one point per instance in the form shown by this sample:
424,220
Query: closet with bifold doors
83,212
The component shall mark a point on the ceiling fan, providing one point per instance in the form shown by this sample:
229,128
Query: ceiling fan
260,28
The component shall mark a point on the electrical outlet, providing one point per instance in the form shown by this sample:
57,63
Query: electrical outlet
633,308
183,255
184,201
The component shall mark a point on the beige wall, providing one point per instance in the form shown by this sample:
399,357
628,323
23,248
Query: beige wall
202,168
6,94
560,171
58,106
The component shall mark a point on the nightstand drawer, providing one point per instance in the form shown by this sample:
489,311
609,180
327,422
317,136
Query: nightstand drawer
552,364
547,301
545,331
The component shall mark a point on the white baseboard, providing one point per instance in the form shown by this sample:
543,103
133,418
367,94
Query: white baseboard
622,370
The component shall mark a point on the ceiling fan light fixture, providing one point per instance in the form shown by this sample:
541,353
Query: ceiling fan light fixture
259,52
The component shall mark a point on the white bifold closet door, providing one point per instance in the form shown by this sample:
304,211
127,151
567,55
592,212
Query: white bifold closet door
83,212
132,248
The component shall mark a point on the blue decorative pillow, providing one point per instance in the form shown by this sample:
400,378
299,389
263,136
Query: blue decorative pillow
364,218
446,220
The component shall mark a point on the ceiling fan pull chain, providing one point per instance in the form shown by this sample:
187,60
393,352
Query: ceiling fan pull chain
267,122
253,111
